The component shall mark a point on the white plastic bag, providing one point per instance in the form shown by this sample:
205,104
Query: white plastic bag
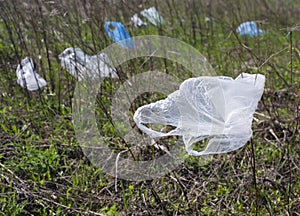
28,77
153,16
217,108
81,65
136,21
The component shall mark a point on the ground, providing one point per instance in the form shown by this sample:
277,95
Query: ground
43,168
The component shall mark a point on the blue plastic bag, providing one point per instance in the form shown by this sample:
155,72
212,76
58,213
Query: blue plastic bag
117,33
249,28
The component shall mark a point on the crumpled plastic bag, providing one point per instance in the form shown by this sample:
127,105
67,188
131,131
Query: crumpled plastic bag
136,21
81,65
28,77
219,109
249,28
153,16
117,33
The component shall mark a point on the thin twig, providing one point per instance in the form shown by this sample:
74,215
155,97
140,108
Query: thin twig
254,175
288,144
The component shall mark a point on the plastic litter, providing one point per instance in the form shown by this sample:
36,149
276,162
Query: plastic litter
249,28
81,65
136,21
218,109
28,77
209,19
153,16
117,33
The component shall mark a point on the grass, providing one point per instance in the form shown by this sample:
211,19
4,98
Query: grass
43,170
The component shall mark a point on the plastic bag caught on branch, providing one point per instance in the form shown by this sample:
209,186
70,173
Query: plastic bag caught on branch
136,21
28,77
219,109
249,28
81,66
153,16
118,33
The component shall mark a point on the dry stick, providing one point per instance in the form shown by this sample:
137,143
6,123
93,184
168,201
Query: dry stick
46,46
112,123
159,26
254,175
18,27
251,141
288,144
182,187
116,165
257,58
22,40
12,173
157,199
34,65
291,55
38,197
209,31
244,46
200,27
171,16
271,56
9,31
5,17
90,25
146,205
58,61
194,30
267,61
81,212
178,18
67,20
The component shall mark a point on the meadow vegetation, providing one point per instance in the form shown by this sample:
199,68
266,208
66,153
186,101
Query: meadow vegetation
43,170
